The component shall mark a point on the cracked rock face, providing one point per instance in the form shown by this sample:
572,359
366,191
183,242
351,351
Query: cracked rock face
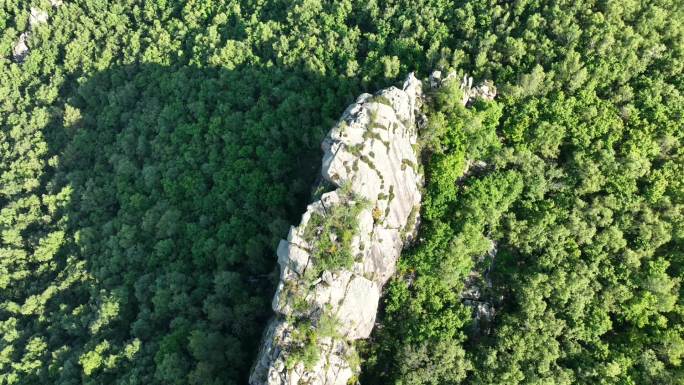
371,153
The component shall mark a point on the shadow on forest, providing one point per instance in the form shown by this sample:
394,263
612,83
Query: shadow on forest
180,181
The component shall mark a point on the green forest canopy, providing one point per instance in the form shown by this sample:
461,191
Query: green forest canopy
153,152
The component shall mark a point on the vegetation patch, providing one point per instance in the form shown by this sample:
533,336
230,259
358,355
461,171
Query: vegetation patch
407,163
330,235
381,99
304,346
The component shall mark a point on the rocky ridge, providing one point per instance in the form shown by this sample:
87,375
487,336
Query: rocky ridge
334,264
370,161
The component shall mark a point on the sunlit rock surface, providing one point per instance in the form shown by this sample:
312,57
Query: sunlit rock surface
372,152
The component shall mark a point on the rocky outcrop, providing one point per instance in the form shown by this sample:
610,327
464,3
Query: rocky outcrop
20,49
334,263
36,17
484,90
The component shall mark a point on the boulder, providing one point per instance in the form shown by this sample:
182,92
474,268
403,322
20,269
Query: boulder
20,49
36,17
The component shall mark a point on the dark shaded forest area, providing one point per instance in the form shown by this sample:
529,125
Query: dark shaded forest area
152,153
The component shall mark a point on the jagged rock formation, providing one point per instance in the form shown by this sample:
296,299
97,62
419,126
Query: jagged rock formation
36,17
484,90
334,264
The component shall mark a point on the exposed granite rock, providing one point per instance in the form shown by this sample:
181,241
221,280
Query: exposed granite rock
484,90
370,160
20,49
368,157
36,17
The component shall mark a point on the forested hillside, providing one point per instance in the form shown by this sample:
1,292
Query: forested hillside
152,154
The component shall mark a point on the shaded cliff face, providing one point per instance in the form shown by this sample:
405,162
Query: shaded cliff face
334,263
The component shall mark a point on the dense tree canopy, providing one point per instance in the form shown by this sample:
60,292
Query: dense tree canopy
153,152
572,230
